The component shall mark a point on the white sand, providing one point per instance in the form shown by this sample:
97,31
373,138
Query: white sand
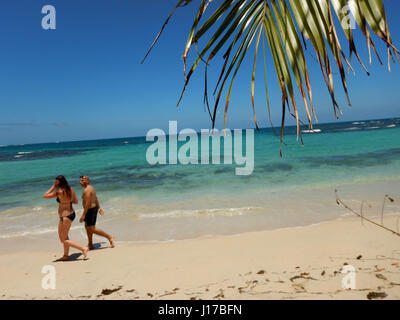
297,263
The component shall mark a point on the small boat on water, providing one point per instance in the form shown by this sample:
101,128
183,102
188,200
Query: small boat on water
312,131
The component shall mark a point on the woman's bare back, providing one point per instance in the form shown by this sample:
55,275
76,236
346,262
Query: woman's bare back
65,203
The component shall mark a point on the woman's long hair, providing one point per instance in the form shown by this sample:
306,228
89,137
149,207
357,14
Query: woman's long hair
63,185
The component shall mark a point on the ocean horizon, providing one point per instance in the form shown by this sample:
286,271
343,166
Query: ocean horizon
289,130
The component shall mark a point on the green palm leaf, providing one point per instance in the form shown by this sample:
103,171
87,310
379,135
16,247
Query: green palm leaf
286,26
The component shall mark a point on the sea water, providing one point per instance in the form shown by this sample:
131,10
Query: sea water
144,202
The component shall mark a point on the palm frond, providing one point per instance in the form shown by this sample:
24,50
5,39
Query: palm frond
285,26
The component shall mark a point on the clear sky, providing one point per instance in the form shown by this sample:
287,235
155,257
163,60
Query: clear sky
84,80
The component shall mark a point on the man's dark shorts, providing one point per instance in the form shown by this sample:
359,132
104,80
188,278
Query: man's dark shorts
91,216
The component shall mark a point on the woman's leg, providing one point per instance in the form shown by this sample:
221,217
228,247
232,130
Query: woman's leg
66,247
66,225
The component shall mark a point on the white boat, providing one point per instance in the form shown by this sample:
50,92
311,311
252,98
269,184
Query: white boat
312,131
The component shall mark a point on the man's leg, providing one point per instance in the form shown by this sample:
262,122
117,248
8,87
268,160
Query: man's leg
101,233
90,236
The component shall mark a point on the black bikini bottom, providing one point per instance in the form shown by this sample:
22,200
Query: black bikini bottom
70,217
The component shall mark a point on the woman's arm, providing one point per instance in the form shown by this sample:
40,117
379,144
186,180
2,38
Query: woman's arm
74,198
51,193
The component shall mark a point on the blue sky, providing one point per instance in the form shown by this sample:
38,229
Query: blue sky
84,80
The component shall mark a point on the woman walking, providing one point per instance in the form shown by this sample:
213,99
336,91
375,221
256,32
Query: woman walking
66,196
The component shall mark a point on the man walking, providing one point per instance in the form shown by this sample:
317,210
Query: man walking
91,207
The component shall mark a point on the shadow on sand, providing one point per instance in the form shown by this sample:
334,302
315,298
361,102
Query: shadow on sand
72,257
97,246
75,256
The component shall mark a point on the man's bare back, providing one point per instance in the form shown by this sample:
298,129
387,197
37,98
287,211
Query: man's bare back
89,197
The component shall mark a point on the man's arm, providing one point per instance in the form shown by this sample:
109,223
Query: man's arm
86,206
97,203
98,206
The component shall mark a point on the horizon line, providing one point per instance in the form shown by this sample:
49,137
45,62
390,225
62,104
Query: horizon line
141,136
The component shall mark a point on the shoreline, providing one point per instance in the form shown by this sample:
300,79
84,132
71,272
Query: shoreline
177,220
289,263
49,240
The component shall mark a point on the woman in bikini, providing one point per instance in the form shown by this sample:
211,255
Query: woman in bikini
65,197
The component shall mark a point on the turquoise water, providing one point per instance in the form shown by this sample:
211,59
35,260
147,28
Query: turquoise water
166,202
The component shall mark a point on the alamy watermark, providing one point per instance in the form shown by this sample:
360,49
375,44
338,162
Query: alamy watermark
49,280
188,153
346,17
348,21
349,280
49,20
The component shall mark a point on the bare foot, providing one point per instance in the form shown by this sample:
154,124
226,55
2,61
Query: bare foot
112,244
64,258
84,252
90,246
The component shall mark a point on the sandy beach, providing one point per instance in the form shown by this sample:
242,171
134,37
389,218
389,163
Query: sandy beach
293,263
221,169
